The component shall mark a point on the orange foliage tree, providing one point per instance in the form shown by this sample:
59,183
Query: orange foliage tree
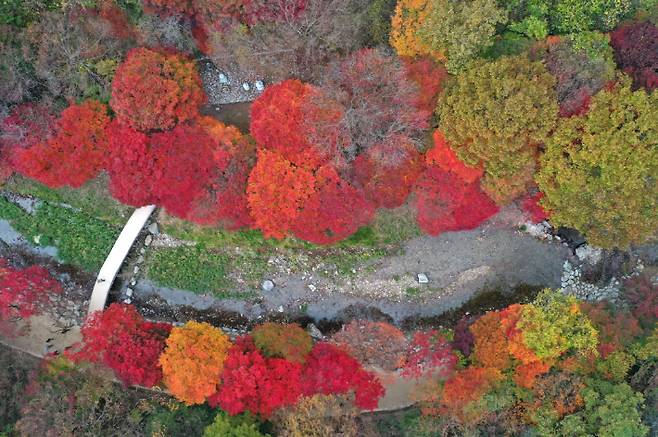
461,393
75,153
155,90
193,361
276,191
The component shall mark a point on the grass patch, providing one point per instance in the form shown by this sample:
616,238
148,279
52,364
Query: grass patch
413,291
93,198
192,268
80,239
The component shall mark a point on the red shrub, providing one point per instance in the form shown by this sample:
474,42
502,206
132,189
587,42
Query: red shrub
153,90
23,293
329,370
75,153
616,328
278,122
445,158
251,382
373,343
183,165
334,211
430,77
121,339
444,202
642,295
130,166
429,354
388,171
117,17
636,52
25,127
276,192
530,204
223,200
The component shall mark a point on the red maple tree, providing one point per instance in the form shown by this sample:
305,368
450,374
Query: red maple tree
430,77
330,370
75,153
444,202
442,155
23,293
250,382
429,353
333,211
121,339
156,90
636,52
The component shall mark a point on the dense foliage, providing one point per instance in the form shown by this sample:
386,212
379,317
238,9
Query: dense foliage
597,172
153,90
193,360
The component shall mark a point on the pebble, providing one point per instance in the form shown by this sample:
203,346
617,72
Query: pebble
142,251
136,270
267,285
129,292
140,259
148,240
223,79
312,287
127,301
422,278
246,87
260,86
280,309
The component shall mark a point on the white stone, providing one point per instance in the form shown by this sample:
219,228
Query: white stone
314,332
267,285
422,278
246,86
280,309
260,86
148,240
223,79
129,292
311,287
153,228
589,254
127,301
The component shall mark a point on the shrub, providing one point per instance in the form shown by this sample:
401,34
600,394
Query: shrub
65,400
233,426
603,159
443,156
193,361
318,416
373,343
445,203
379,17
532,206
636,53
23,293
459,31
287,341
76,153
329,370
153,90
642,295
495,115
255,384
64,49
462,392
121,339
581,68
171,418
429,353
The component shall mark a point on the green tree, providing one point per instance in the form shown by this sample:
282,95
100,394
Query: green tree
554,324
598,173
460,30
496,115
242,425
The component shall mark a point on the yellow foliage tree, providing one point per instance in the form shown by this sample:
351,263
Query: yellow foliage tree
408,18
193,361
